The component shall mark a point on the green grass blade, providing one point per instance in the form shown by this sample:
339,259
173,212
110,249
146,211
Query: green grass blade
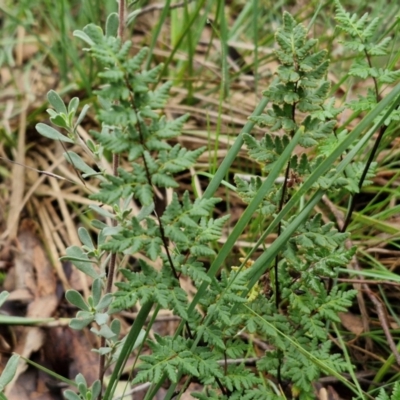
233,152
183,34
247,215
49,372
11,320
156,32
130,341
348,361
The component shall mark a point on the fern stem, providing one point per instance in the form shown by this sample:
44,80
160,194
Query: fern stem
353,199
281,203
371,157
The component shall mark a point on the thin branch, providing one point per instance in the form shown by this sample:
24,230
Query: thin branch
281,203
368,282
371,157
384,322
50,174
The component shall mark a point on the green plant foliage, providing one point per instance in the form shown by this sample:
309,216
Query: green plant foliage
132,125
10,369
85,392
291,306
363,39
298,94
395,393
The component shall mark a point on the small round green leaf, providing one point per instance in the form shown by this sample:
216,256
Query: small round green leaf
85,238
56,101
73,105
96,290
101,319
80,323
76,299
3,297
112,25
96,388
9,371
104,302
70,395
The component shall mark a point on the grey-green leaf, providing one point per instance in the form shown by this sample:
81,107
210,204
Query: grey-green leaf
106,332
80,380
70,395
85,238
116,326
82,35
96,388
78,163
101,319
9,371
82,114
104,302
96,291
101,211
80,323
51,133
59,121
73,104
112,24
3,297
81,261
56,101
76,299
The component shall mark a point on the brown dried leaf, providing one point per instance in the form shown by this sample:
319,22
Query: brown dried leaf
31,341
24,269
17,178
35,274
332,394
352,322
84,360
43,307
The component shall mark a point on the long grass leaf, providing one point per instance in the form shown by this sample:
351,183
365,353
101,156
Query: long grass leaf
131,339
